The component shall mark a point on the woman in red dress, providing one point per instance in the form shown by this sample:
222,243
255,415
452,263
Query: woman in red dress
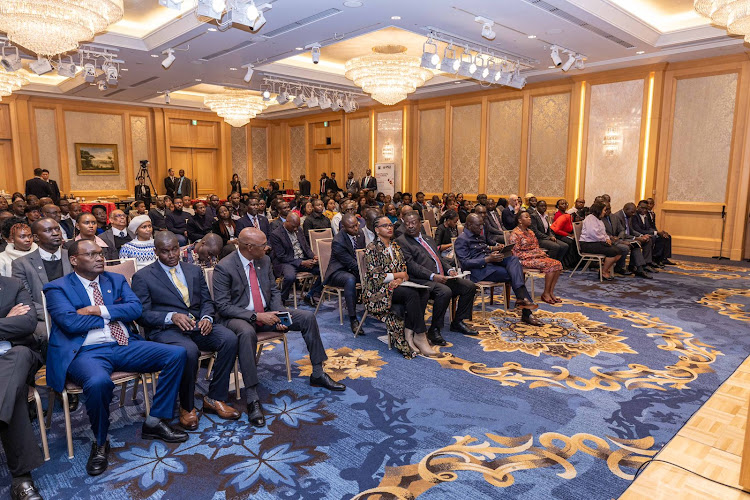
533,257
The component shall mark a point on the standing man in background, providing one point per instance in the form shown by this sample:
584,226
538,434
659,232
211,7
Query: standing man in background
183,186
304,186
55,190
369,182
38,186
169,183
143,192
352,184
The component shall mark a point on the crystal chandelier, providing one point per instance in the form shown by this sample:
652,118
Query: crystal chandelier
50,27
388,74
388,151
611,141
236,106
734,15
10,82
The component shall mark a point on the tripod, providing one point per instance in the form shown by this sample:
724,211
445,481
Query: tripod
143,172
723,227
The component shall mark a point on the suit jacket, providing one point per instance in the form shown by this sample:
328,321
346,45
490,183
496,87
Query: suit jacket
495,221
39,188
304,187
158,220
184,185
169,185
274,224
245,221
639,227
618,226
283,249
419,263
198,227
64,297
143,193
509,218
32,273
108,236
352,186
471,250
343,257
69,227
18,330
55,191
333,184
159,296
537,226
371,184
329,184
231,291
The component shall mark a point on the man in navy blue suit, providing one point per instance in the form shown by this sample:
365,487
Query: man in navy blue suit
293,255
252,218
343,269
90,339
178,310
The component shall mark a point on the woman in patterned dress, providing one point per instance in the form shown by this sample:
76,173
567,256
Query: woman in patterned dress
533,257
386,270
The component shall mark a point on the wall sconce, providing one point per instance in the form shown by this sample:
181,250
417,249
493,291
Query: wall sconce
388,151
612,141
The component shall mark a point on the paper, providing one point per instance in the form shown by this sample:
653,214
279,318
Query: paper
411,284
459,275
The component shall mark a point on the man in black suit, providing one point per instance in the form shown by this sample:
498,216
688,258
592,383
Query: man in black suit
118,234
20,358
510,212
325,184
343,270
169,183
493,234
369,182
426,267
38,186
652,216
55,190
177,221
158,215
420,205
178,310
640,248
293,255
283,210
247,299
143,192
540,226
304,186
253,218
642,225
333,185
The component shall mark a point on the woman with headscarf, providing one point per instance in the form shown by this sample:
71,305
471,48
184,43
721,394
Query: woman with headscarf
141,248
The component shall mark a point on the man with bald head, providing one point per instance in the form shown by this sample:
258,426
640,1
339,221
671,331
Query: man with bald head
294,255
343,270
118,234
205,252
248,301
53,212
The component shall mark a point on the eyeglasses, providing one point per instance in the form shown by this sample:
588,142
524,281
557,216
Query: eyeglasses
90,255
389,225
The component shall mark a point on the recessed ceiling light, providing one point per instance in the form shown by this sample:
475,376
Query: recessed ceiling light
532,36
641,52
352,3
198,80
299,48
154,55
123,69
396,18
457,81
211,29
232,69
550,67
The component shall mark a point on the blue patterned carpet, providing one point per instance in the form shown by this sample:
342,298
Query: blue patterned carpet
568,411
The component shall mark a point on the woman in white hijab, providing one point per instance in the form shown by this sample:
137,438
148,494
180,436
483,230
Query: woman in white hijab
21,243
142,247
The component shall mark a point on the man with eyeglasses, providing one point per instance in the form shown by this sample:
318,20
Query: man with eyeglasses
343,270
248,303
347,207
90,339
118,234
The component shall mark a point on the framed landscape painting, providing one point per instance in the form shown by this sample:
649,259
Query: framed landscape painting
97,159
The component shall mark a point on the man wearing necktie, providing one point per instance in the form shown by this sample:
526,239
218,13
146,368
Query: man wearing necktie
369,183
426,267
117,235
343,270
253,218
90,339
178,310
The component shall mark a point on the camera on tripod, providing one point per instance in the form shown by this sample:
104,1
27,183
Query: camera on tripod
143,174
144,164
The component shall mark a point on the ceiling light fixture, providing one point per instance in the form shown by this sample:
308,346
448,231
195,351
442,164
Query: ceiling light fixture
171,4
579,62
154,55
283,97
487,25
68,70
555,55
265,93
10,82
325,101
449,64
299,101
11,62
733,15
236,106
211,8
312,101
89,72
531,37
337,104
314,52
110,73
395,18
569,63
352,4
429,59
49,28
41,66
167,62
518,81
167,98
102,85
641,52
467,67
249,73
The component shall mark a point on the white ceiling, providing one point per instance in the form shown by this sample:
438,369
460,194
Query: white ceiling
665,30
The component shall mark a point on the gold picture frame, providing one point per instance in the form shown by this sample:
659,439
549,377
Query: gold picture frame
97,159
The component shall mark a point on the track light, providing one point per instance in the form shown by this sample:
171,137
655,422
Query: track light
350,105
449,64
518,81
41,66
337,103
283,97
579,62
102,85
167,62
249,73
312,101
430,60
171,4
467,67
11,62
299,101
569,63
314,52
68,70
89,72
167,97
325,102
111,73
487,25
266,94
555,55
211,8
245,12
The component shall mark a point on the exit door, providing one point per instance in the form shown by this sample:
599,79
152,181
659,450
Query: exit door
200,167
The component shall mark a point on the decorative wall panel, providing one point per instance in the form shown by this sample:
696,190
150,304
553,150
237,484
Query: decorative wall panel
95,128
298,153
239,155
390,131
259,153
139,140
465,150
431,150
46,136
702,138
612,168
548,145
504,146
359,146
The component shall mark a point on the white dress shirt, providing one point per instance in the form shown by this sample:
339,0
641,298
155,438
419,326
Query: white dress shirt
181,276
45,255
245,266
99,335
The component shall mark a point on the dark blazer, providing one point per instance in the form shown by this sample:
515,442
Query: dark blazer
159,296
198,227
471,250
69,227
232,294
169,185
443,235
639,227
110,252
343,257
108,236
333,184
55,191
217,229
537,226
143,193
158,220
185,186
329,184
371,184
39,188
419,263
283,249
619,228
245,221
64,297
304,187
18,330
32,273
352,186
509,218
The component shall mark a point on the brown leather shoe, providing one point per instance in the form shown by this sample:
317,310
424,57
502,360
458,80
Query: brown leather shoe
188,419
525,304
220,408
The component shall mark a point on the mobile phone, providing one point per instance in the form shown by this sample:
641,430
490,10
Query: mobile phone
286,318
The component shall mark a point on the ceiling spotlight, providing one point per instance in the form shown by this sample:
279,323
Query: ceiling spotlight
211,8
641,52
325,102
283,97
337,104
467,67
315,52
449,64
570,62
249,73
102,85
579,62
531,37
504,78
487,25
350,105
167,62
299,101
167,98
518,81
67,70
89,72
430,59
41,66
266,94
395,18
111,73
555,55
312,101
245,12
11,62
171,4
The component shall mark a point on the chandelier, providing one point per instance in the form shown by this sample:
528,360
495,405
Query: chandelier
50,27
611,141
388,74
734,15
236,106
388,151
9,82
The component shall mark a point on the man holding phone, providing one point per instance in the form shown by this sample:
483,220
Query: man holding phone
249,303
177,310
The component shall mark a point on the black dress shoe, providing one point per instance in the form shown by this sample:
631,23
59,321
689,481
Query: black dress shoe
73,400
668,262
327,383
462,327
433,335
164,432
355,324
531,320
25,490
310,301
644,275
98,459
623,272
651,268
255,414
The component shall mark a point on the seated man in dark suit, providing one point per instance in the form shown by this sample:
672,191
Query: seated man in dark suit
247,299
540,226
343,270
118,234
253,218
177,310
493,235
177,221
294,255
90,339
20,358
488,264
618,228
426,267
510,212
662,241
283,210
158,214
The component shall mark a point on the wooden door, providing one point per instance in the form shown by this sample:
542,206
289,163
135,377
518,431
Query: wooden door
322,164
7,171
181,159
204,171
